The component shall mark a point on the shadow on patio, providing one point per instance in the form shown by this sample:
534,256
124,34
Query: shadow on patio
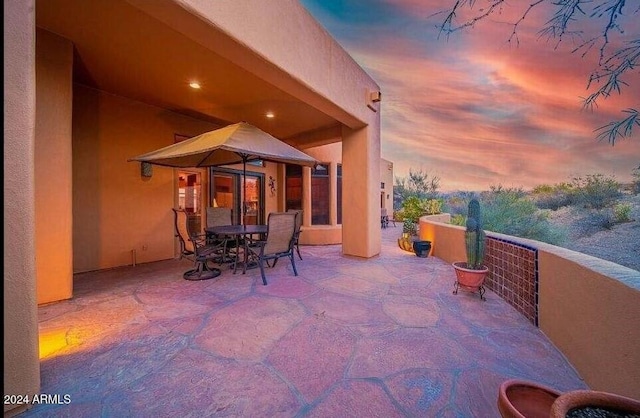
347,337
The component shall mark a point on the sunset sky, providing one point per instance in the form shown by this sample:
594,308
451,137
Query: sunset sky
475,110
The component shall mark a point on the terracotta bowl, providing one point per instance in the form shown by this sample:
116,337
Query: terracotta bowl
577,398
522,399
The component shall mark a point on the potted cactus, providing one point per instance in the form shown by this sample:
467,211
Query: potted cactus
470,274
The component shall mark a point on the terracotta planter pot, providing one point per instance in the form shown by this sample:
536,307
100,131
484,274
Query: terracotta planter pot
577,399
521,399
469,279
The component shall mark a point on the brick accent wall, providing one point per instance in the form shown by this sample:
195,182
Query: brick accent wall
514,275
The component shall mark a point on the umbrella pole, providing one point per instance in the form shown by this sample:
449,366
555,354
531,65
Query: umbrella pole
244,190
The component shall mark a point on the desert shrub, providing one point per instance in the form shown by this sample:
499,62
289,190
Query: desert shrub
458,219
432,206
456,203
595,221
409,227
636,180
510,212
516,192
414,207
418,183
552,196
621,213
595,191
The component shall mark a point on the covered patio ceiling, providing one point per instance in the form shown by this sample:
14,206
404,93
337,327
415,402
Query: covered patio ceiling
121,50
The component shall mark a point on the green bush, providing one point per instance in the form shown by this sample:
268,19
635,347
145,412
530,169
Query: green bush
595,191
458,219
636,180
414,207
456,203
621,213
509,212
552,196
409,227
596,221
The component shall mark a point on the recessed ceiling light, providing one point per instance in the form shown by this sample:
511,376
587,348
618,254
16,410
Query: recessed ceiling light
270,115
194,85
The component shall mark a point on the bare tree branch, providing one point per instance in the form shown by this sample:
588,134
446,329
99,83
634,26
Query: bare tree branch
619,129
612,65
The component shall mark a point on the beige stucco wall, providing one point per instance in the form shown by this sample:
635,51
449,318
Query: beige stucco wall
593,317
386,177
332,234
323,234
115,209
54,262
589,308
20,343
315,69
361,232
447,241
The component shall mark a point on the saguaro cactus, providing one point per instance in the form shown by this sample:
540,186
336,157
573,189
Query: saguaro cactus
475,237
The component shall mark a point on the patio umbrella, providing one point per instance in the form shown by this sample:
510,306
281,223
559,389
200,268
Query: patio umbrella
233,144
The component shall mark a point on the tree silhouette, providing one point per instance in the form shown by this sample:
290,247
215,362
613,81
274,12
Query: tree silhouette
616,57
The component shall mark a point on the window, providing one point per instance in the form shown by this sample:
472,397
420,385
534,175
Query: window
293,188
189,192
320,195
339,192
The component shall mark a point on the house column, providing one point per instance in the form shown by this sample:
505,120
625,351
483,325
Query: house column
21,365
54,90
306,196
361,190
333,193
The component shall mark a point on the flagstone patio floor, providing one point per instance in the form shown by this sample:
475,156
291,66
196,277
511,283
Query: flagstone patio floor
347,337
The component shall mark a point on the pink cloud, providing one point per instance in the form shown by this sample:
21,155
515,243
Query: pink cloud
478,112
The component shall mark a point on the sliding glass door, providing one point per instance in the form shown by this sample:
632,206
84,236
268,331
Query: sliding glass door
227,191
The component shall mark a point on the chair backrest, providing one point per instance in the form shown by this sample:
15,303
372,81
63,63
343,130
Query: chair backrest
383,212
298,218
281,228
182,230
218,216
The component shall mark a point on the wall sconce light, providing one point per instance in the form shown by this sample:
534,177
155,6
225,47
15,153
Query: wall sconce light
146,169
373,97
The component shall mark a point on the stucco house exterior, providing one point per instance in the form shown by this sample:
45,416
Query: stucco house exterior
90,84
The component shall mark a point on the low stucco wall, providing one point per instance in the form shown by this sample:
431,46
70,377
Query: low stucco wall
589,308
321,235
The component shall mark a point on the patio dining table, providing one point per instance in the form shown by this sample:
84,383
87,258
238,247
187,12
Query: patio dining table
239,234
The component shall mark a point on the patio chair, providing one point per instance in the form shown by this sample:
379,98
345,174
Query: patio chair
298,230
279,241
218,216
384,218
195,247
221,216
